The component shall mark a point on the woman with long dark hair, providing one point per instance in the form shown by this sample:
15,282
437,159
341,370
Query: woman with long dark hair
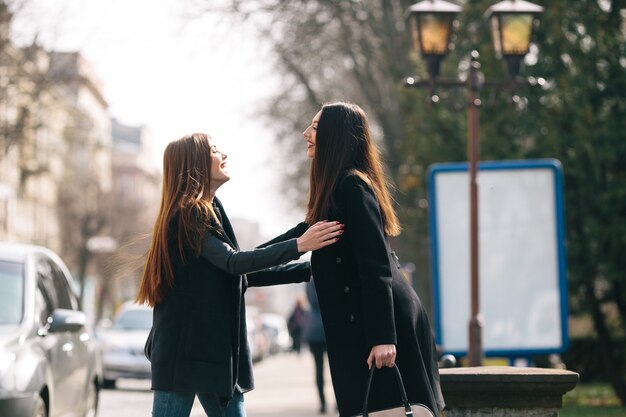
194,278
371,314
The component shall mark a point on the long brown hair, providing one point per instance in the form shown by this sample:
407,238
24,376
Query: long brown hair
344,143
184,216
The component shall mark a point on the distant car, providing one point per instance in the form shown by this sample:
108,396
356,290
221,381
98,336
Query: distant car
258,340
275,327
123,345
49,362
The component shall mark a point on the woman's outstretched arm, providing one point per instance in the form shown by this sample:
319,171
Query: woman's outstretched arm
237,262
294,232
283,274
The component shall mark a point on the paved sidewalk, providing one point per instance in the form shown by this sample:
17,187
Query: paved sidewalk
285,387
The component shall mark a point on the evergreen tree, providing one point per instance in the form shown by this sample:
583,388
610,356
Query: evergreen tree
580,119
574,111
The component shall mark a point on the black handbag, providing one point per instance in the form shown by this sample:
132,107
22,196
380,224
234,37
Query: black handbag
414,410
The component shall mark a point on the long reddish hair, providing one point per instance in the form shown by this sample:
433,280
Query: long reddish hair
343,142
184,216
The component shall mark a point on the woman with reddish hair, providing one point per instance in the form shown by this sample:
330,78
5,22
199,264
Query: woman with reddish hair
194,277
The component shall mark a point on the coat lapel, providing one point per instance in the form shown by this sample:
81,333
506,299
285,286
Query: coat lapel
228,234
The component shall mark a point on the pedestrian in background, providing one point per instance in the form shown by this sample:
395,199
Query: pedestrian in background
295,325
194,278
314,337
371,314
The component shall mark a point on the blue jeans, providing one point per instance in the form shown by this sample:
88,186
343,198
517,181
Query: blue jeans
179,404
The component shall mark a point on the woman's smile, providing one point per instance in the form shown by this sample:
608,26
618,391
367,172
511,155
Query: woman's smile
309,134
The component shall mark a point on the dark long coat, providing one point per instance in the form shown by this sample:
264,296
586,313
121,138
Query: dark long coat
199,341
365,301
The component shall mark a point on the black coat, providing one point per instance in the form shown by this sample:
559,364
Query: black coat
199,341
365,301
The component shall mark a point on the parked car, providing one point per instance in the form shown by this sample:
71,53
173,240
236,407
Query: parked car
123,344
49,362
275,327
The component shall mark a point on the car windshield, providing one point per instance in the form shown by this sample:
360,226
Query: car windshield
11,292
134,320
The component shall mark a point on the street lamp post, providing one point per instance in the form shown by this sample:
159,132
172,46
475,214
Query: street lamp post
432,23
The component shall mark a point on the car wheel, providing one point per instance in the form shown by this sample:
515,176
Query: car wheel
108,383
40,408
91,406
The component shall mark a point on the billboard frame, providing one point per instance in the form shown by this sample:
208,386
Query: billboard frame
489,166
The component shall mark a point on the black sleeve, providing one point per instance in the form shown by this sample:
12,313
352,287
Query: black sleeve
283,274
367,237
293,233
235,262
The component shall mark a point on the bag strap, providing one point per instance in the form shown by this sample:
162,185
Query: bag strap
405,401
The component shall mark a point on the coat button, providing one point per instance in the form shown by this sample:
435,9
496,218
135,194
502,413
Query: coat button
351,318
338,260
346,289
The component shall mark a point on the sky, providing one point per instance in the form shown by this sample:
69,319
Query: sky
177,74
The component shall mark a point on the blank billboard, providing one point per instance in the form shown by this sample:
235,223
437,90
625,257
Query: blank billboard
522,269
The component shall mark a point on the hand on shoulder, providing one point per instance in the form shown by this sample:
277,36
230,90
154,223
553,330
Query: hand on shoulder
322,233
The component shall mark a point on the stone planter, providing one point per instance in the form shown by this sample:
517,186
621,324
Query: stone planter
503,391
